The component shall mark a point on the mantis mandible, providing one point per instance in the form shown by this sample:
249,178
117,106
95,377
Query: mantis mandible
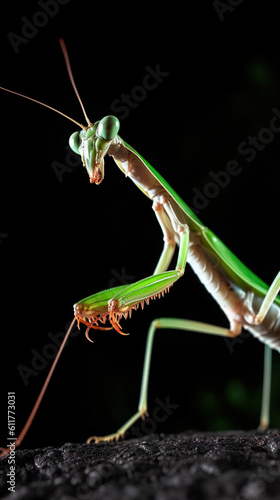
245,299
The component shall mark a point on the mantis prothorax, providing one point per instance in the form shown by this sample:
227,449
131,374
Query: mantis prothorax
245,299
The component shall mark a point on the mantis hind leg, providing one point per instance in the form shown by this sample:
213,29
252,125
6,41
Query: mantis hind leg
269,298
266,389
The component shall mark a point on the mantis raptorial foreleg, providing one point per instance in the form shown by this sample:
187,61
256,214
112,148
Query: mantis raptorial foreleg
129,297
168,238
153,286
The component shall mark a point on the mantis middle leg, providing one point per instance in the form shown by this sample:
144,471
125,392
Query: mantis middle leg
188,326
161,323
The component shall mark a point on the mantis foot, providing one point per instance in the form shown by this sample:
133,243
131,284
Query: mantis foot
111,437
121,432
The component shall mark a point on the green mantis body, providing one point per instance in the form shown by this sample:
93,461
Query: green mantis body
244,298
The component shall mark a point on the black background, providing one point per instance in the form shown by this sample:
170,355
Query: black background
68,239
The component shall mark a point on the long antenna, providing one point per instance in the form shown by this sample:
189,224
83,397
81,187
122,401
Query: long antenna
68,66
43,104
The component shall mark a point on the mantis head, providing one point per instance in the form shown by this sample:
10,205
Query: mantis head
93,143
94,140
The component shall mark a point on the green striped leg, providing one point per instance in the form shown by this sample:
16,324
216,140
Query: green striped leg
195,326
266,390
174,324
269,298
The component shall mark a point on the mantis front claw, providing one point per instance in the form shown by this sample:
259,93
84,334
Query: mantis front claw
118,302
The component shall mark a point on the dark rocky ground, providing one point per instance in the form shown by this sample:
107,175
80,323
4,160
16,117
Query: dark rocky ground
198,466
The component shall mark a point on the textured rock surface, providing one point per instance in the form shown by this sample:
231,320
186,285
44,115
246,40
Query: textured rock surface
226,465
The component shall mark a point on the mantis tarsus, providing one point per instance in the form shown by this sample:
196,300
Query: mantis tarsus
244,298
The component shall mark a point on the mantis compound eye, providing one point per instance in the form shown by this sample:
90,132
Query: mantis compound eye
108,128
74,142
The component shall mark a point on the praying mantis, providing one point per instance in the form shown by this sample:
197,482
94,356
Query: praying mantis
245,299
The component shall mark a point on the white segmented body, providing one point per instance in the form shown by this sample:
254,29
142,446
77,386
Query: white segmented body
230,302
236,304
